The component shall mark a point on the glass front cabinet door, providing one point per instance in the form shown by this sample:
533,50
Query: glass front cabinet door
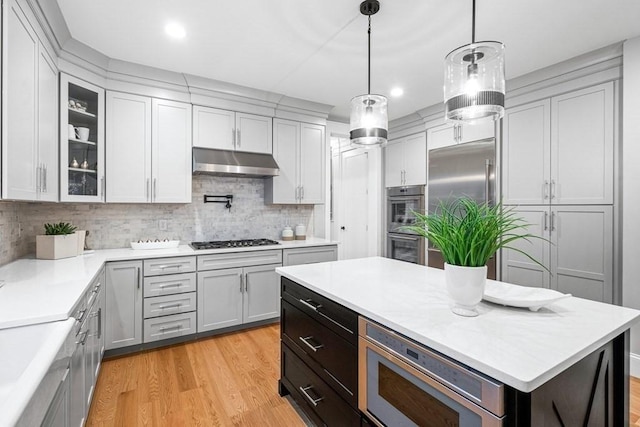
81,141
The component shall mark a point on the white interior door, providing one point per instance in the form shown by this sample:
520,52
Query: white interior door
354,204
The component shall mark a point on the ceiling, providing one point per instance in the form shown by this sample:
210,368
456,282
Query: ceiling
316,50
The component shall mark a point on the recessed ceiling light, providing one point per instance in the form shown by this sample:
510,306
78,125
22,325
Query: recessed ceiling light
397,91
175,30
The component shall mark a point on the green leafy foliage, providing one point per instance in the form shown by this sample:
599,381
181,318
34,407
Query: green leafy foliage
468,233
59,228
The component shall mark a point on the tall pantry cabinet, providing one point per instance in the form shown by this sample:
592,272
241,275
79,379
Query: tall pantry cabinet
30,110
558,174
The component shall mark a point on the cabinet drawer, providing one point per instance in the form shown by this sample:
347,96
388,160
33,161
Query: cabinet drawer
297,256
155,267
169,304
339,319
239,259
177,325
305,386
170,284
335,355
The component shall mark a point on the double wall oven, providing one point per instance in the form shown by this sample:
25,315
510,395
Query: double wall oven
402,244
402,383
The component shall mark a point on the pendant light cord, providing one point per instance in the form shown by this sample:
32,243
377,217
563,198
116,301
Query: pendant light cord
369,58
473,23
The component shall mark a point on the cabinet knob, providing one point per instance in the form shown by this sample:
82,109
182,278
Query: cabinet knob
342,228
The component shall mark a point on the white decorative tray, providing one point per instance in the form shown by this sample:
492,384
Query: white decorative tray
520,296
167,244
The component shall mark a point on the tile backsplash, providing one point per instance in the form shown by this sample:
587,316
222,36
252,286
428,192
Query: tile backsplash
115,225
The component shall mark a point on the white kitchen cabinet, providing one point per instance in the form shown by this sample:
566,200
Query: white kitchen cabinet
82,171
148,150
220,298
128,151
29,113
310,255
299,151
406,161
171,152
58,412
525,153
449,134
94,347
228,130
578,251
560,150
234,296
123,326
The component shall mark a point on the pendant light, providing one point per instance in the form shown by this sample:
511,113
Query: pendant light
368,124
474,84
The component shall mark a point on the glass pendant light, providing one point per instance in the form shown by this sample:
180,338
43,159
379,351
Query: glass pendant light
474,85
368,124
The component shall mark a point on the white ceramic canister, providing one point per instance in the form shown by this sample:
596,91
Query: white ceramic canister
287,233
301,232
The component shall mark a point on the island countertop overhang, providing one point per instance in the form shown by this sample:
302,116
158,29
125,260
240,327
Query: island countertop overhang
520,348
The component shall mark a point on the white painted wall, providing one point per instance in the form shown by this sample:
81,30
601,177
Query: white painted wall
630,173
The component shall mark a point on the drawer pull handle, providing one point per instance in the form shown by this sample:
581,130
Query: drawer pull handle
162,267
309,303
83,338
166,307
315,348
313,401
171,285
80,315
170,328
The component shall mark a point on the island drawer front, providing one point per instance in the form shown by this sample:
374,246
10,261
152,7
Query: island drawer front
169,304
335,355
239,259
170,284
339,319
176,325
158,266
317,395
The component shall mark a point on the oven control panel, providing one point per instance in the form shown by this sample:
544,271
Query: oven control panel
457,377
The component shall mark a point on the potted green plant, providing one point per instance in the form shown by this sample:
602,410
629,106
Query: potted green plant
469,233
59,241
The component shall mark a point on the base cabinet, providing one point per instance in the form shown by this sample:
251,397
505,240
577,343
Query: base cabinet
58,413
123,304
234,296
577,251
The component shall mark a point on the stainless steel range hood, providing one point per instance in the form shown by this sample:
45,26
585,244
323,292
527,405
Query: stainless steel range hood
233,163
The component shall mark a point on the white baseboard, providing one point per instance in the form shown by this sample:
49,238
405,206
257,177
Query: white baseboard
634,365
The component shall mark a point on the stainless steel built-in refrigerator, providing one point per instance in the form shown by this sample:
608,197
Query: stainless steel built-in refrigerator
461,170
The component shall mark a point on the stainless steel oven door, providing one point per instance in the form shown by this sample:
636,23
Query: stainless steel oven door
393,393
399,212
405,247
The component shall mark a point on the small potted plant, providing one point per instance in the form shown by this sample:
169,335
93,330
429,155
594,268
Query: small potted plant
468,234
59,241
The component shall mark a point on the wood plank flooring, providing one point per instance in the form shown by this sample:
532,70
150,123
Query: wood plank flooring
227,380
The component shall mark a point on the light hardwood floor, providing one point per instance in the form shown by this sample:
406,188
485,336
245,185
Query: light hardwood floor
227,380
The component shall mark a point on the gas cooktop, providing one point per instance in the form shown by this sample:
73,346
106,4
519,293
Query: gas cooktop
223,244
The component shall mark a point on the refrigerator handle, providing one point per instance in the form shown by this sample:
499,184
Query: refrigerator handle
487,180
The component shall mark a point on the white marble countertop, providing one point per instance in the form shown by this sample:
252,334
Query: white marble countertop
518,347
39,291
25,357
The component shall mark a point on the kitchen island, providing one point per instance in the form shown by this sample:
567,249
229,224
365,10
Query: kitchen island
574,347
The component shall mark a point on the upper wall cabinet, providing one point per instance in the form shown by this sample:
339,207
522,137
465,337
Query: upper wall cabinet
560,150
81,141
451,134
406,161
148,150
299,150
228,130
29,112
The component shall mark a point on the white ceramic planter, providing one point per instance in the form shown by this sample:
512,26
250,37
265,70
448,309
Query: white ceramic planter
465,286
55,247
